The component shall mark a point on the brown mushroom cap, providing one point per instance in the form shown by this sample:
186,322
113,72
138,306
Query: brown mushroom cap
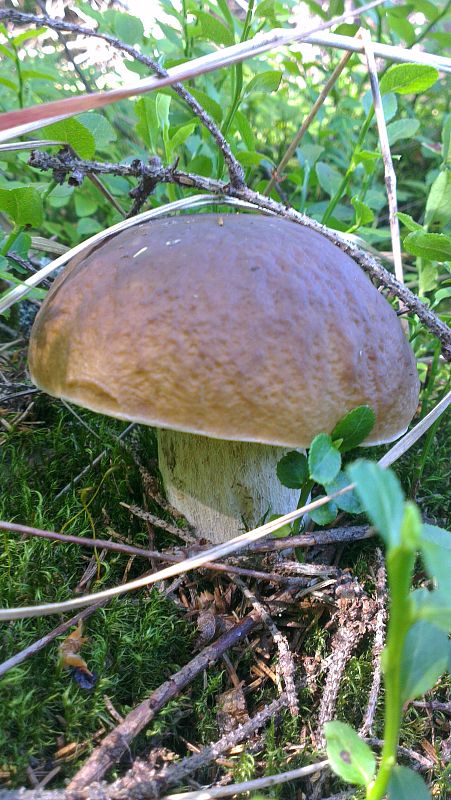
240,327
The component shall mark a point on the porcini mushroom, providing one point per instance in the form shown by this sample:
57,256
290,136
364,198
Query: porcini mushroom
239,337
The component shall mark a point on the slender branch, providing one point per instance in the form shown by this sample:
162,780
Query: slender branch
68,53
286,663
390,175
277,174
236,172
379,638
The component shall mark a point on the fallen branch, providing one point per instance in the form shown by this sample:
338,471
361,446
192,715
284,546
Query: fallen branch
286,663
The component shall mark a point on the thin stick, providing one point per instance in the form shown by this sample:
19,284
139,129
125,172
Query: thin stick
277,174
117,742
177,773
250,786
390,175
378,645
17,123
286,663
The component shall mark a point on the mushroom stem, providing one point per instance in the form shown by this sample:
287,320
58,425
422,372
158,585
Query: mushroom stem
222,488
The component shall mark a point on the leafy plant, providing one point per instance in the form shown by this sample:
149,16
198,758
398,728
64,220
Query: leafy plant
416,652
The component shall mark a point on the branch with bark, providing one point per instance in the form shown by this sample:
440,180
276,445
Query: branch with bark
65,165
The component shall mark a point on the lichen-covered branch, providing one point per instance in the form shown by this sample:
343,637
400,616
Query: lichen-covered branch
65,164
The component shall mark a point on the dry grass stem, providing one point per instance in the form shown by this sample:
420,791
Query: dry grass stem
390,175
278,172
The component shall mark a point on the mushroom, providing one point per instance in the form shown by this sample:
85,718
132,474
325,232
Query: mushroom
239,337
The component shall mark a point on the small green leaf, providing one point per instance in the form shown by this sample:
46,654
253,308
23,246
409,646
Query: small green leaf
349,756
102,130
363,213
85,204
347,502
264,82
382,498
410,527
23,205
405,784
181,135
436,549
147,127
424,659
213,30
292,469
211,106
324,515
324,460
433,607
72,132
402,129
432,246
329,178
410,223
31,34
354,427
245,130
280,533
438,205
408,79
127,28
7,52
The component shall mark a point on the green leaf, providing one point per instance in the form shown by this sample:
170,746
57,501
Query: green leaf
249,158
410,223
102,130
436,549
446,141
403,28
438,205
292,469
347,502
211,106
23,205
264,82
402,129
408,79
432,246
147,127
127,28
363,213
7,52
280,533
324,460
181,135
85,205
405,784
389,104
382,498
74,133
354,427
8,84
433,607
324,515
349,756
424,659
213,30
245,130
329,178
31,34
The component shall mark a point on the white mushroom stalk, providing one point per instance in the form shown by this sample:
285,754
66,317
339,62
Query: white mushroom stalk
222,488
